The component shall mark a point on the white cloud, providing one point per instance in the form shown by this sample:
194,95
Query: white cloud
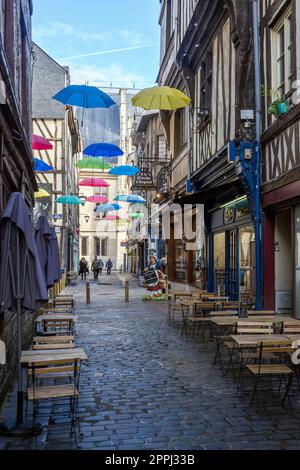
112,74
60,30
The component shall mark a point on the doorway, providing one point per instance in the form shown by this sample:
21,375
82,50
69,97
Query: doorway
283,261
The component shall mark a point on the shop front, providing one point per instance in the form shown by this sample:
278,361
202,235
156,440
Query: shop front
230,249
282,249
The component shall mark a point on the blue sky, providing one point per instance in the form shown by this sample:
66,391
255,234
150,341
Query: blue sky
92,29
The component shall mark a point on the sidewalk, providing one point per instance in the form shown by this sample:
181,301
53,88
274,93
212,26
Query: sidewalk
146,387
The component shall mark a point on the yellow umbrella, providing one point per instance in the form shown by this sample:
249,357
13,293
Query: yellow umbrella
41,193
162,98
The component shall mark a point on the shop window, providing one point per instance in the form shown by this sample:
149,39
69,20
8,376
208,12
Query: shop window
199,268
180,260
219,262
247,265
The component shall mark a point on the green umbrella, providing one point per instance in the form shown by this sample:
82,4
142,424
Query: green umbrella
93,164
69,199
137,215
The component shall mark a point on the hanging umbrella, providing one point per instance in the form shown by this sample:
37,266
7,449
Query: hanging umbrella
93,164
135,199
124,170
121,197
22,282
161,98
136,215
103,150
84,96
97,199
41,193
108,208
94,183
72,200
39,165
40,143
111,217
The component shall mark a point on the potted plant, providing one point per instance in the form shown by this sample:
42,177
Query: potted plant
277,105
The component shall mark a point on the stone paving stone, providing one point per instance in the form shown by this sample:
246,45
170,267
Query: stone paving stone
146,387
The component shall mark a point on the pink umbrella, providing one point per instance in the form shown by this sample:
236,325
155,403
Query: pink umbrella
97,199
111,217
40,143
94,183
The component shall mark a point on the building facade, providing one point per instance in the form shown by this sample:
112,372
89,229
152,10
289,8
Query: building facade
59,125
281,154
16,168
206,51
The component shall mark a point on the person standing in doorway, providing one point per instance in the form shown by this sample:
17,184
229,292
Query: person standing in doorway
109,265
95,268
83,268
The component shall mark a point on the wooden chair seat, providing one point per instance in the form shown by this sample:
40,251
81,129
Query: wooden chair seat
53,391
53,346
269,369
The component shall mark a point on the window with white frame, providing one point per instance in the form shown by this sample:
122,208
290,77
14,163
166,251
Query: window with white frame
282,42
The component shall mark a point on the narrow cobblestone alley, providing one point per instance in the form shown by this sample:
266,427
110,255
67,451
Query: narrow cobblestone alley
146,387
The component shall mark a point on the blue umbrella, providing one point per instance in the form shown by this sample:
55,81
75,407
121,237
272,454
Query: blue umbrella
103,150
134,199
84,96
108,208
124,170
121,197
39,165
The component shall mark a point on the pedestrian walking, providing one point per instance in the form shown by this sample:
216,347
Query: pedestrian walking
95,268
83,268
109,266
101,265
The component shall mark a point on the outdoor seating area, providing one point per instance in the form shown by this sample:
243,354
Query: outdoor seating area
53,364
253,347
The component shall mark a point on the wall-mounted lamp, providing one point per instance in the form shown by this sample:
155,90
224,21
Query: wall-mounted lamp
87,218
276,246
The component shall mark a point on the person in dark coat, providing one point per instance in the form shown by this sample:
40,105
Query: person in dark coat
109,265
83,268
95,268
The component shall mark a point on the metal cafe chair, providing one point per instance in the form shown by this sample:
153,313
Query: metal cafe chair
56,381
274,369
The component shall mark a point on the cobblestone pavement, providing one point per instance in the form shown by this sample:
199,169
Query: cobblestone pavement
146,387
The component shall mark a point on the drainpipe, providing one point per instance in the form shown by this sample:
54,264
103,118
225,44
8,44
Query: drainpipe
258,111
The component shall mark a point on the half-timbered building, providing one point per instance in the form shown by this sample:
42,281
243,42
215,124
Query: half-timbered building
58,124
214,63
280,32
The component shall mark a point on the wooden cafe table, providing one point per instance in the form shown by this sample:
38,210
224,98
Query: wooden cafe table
51,320
254,340
35,356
